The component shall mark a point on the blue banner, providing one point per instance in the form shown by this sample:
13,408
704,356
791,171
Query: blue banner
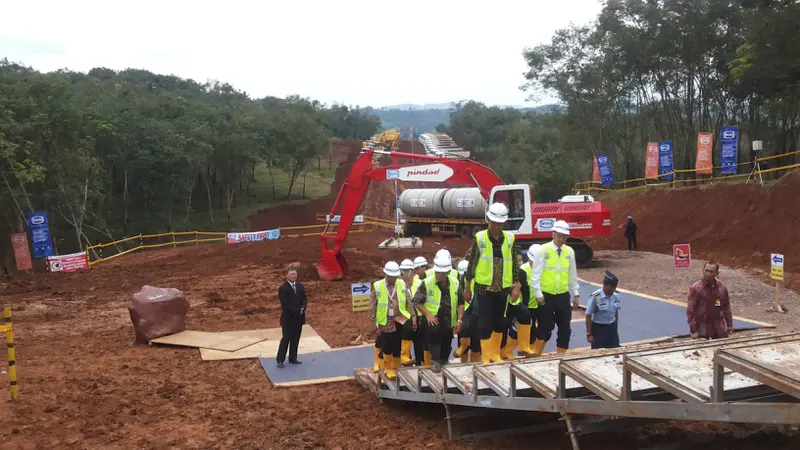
604,167
729,145
40,235
666,168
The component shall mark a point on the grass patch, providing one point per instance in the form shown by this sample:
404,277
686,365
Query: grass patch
259,195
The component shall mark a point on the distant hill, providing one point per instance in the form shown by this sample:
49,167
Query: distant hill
428,116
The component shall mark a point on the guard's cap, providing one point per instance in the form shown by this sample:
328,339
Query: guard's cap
610,278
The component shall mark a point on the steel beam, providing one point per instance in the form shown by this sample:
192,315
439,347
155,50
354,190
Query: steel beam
455,381
489,379
758,413
664,382
523,375
587,382
759,371
430,378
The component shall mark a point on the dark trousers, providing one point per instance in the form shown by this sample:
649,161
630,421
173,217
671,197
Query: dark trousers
440,339
605,335
632,243
290,339
556,311
390,342
522,315
469,329
491,314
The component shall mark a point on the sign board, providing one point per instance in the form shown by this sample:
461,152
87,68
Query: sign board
361,293
682,256
67,263
22,254
544,224
39,227
253,236
337,218
776,266
423,172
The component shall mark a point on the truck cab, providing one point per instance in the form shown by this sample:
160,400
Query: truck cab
517,198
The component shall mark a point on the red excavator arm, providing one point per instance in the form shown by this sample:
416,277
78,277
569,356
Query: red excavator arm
333,265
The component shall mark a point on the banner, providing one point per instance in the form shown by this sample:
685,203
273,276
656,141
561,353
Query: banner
253,236
595,170
651,164
729,145
337,218
705,151
19,242
666,169
604,167
67,263
40,235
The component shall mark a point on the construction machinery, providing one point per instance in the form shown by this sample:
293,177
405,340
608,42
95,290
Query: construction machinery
530,223
387,141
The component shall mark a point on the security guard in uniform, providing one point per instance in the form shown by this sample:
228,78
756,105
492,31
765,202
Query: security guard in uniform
491,267
555,278
602,314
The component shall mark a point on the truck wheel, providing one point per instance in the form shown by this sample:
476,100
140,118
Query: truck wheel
464,231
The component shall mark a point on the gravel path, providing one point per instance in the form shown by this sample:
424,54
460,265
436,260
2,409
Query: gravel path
653,274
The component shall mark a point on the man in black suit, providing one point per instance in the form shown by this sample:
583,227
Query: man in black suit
293,316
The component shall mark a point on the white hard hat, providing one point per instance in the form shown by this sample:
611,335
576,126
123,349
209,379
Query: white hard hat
392,269
561,227
443,252
420,261
406,264
497,213
534,251
442,264
463,265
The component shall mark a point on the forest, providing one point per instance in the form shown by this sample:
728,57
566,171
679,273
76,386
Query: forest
647,70
112,154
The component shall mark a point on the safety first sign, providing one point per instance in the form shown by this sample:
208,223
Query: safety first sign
361,293
776,266
67,263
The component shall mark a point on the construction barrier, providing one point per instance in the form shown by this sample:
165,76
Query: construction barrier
109,250
645,183
8,329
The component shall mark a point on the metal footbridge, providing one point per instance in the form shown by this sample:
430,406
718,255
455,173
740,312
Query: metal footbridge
753,379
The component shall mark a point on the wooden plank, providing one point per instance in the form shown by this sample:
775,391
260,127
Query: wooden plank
317,381
207,340
310,342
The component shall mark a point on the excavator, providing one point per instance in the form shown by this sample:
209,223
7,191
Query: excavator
386,141
529,222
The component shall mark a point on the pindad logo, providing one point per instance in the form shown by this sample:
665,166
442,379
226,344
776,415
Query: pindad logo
665,147
602,160
705,140
728,134
37,220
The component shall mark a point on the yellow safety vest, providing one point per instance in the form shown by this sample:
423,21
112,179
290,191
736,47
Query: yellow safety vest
433,297
532,302
483,270
471,289
383,300
415,284
555,273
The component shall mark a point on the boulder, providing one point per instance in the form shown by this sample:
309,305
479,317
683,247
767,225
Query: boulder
157,312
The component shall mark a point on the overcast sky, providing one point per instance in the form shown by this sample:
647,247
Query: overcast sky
356,52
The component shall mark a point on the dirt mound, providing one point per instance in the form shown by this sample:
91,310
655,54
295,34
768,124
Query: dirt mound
738,225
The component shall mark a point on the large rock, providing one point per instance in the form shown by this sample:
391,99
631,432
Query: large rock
157,312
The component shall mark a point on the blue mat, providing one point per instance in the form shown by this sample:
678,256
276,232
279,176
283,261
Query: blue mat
640,318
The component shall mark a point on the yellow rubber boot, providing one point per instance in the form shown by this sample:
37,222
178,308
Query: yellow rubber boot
378,361
475,357
524,343
508,350
389,364
486,350
426,360
405,356
496,341
561,350
461,351
538,347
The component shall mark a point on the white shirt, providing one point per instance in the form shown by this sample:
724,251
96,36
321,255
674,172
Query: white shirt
538,266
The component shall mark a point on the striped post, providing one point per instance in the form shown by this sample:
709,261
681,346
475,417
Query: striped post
12,360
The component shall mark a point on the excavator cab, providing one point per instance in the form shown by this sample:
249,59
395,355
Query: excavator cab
517,198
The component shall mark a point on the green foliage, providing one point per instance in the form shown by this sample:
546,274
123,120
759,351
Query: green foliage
109,154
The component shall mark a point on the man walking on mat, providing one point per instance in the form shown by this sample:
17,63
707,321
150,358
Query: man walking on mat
293,316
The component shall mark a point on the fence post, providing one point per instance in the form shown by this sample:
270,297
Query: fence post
173,240
195,238
12,358
141,242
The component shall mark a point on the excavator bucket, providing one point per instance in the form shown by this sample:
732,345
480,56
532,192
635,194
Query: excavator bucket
332,266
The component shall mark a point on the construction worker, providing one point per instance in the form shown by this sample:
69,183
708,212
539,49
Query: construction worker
529,300
518,330
437,300
469,339
388,311
445,253
410,327
554,276
420,345
602,314
491,267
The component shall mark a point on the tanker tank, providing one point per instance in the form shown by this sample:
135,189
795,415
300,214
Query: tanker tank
461,203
